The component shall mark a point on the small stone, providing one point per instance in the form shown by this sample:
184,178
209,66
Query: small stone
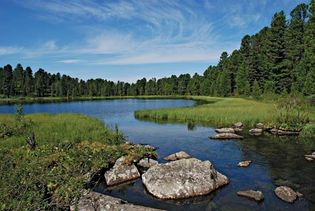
313,153
309,157
244,163
286,194
260,125
255,131
177,156
224,136
251,194
121,172
238,125
225,130
147,163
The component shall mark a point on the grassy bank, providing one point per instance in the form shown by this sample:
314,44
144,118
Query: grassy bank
68,146
219,112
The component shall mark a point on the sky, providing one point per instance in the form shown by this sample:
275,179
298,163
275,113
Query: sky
127,40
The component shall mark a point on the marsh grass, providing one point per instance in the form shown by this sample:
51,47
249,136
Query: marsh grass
216,111
221,112
51,175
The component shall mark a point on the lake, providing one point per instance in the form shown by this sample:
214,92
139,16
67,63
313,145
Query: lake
275,161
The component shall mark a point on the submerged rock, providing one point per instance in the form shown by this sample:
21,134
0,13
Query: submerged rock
286,194
251,194
183,179
96,202
177,156
121,172
244,163
255,131
147,163
225,136
225,130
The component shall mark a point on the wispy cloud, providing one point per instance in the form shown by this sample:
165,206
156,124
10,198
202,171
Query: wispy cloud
69,61
4,50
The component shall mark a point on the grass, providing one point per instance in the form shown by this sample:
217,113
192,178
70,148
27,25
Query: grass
68,146
219,112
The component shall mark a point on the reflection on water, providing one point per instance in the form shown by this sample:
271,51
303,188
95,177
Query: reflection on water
275,161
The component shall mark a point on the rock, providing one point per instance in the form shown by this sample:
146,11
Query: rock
310,157
225,130
244,163
284,132
255,131
238,125
256,195
224,136
121,172
96,202
177,156
147,163
300,195
183,179
260,125
313,153
286,193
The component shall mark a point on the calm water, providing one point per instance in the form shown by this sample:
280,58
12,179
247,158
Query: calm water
275,161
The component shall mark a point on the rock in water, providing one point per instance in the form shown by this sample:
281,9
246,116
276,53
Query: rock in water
255,131
225,130
95,201
256,195
121,172
177,156
224,136
286,194
183,179
147,163
244,163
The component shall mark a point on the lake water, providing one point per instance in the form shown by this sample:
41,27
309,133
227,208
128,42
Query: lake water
275,161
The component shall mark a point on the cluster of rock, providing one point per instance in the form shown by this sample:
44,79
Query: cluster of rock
229,133
310,157
182,177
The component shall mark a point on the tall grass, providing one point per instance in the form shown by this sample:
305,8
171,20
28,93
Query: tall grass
51,175
216,112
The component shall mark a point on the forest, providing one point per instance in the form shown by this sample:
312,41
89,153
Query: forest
278,59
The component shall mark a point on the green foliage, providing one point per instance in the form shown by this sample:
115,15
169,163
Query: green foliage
308,131
256,90
292,113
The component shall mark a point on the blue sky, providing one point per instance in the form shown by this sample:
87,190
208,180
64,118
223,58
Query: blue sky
128,40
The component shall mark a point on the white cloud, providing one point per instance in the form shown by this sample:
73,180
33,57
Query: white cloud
9,50
69,61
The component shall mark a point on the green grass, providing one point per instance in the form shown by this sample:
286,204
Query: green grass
218,112
52,175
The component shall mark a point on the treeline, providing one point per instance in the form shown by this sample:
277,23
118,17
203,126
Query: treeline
278,59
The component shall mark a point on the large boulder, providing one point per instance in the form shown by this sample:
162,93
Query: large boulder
183,179
238,125
121,172
225,130
96,202
251,194
260,125
177,156
225,136
286,194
